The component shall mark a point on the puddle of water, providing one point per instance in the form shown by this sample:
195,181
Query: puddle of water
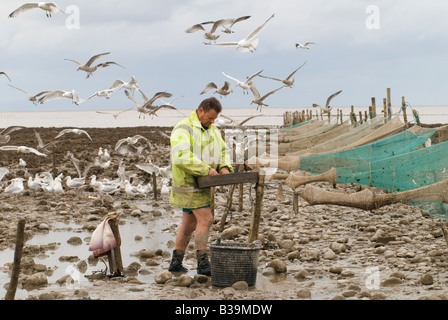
152,237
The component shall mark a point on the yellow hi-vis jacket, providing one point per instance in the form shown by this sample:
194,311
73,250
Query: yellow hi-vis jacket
194,150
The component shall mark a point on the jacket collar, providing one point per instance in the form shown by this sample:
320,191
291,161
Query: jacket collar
195,121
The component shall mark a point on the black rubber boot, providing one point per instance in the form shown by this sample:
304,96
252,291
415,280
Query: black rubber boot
176,262
204,267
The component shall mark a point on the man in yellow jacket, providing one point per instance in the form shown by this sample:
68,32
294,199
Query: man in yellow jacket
197,149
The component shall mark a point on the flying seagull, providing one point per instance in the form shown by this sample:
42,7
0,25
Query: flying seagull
3,73
32,98
260,100
22,149
288,81
304,46
48,7
114,114
228,24
327,107
225,90
209,35
120,84
87,67
244,84
240,124
4,134
76,131
60,94
247,44
147,107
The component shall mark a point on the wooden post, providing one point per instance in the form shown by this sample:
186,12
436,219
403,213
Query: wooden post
114,255
10,294
389,104
360,116
54,162
414,112
373,113
256,214
352,115
154,185
212,207
403,108
365,115
240,190
228,206
295,202
385,109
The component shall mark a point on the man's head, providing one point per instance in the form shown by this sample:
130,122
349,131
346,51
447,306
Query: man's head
208,111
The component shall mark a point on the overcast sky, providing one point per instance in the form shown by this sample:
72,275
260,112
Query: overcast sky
362,48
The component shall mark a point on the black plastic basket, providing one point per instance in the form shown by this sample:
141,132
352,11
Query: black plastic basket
232,262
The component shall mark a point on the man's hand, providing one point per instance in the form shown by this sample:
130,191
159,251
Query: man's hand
212,172
224,170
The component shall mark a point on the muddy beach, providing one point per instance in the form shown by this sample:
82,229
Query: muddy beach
324,252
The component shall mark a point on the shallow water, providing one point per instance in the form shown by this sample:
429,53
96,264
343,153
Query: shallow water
152,237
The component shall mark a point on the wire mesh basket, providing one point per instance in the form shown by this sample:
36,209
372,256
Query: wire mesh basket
232,262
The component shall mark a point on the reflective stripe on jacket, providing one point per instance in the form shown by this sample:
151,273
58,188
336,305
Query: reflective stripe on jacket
194,150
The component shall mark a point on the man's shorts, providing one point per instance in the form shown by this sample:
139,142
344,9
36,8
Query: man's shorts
190,211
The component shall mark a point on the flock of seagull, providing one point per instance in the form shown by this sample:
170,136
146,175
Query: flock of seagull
127,182
210,33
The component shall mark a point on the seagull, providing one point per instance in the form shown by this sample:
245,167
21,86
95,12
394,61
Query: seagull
60,94
3,172
22,149
87,67
244,84
3,73
40,144
76,131
22,163
248,43
131,85
74,183
209,35
231,22
4,134
151,168
225,90
239,124
304,46
327,107
147,107
130,140
16,186
288,81
31,97
102,93
34,183
258,99
48,7
114,114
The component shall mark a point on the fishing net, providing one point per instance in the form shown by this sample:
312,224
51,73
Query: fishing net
369,131
399,143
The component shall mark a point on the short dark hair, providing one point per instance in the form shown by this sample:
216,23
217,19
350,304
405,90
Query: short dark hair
211,103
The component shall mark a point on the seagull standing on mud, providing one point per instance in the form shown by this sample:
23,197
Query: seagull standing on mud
247,44
327,107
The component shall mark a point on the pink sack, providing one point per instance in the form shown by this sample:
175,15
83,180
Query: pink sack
102,239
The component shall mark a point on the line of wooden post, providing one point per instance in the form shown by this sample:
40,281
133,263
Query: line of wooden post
114,255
